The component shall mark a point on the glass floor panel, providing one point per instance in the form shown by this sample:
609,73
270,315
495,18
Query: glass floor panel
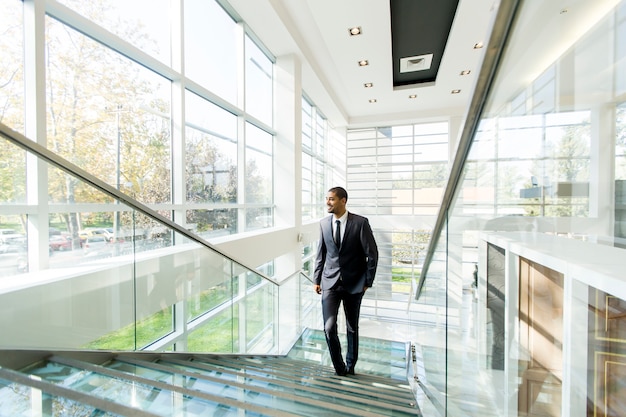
21,401
302,393
225,387
380,357
133,394
255,392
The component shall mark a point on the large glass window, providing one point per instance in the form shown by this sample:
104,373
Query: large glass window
211,165
547,175
259,77
11,67
307,125
307,184
106,114
12,159
396,176
620,142
620,171
114,106
149,32
317,170
259,148
211,48
399,169
259,177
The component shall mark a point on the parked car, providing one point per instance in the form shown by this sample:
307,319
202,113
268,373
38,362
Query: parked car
13,254
97,231
108,232
96,244
84,234
60,243
12,243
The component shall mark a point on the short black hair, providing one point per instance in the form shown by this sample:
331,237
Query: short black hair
339,192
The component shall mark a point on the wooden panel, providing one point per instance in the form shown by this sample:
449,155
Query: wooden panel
607,355
541,331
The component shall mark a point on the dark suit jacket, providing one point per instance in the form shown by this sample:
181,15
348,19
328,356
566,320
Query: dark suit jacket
355,263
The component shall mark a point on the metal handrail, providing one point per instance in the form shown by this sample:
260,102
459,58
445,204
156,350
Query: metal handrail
502,26
72,169
302,274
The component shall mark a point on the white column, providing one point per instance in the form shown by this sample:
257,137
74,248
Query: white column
35,129
288,157
288,142
178,114
602,169
511,343
575,343
241,126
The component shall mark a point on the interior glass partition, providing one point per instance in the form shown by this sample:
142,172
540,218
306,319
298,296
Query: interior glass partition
534,288
107,272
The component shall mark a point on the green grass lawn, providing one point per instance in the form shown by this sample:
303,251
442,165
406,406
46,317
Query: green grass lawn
220,334
401,279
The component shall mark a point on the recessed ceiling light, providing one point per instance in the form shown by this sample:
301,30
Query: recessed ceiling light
363,63
355,31
368,85
478,45
455,91
413,96
465,72
372,100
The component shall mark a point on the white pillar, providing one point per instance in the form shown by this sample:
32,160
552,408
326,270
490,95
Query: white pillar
288,144
35,129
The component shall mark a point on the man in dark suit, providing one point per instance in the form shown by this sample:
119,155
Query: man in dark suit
345,266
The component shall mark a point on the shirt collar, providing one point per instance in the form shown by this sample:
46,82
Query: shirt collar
342,219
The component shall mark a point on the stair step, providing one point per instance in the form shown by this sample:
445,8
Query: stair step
321,377
160,398
289,392
172,383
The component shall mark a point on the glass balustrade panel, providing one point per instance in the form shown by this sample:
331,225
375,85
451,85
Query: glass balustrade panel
532,290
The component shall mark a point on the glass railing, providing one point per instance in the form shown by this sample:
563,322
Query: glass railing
103,271
528,267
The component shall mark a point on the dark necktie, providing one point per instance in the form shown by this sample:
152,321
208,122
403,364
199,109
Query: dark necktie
338,233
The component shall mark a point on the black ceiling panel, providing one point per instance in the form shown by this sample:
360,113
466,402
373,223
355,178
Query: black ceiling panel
419,27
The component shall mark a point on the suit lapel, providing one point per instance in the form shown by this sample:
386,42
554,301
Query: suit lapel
328,228
349,228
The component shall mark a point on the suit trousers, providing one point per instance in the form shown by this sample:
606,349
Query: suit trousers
331,299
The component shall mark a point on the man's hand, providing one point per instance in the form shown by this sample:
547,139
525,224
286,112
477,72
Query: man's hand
317,289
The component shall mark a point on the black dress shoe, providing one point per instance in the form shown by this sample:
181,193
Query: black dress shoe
341,373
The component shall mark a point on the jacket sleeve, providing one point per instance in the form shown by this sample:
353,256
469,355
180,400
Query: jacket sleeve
320,259
371,251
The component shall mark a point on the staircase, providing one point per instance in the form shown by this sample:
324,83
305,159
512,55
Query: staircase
73,383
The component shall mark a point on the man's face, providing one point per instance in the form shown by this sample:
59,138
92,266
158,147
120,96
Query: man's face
335,205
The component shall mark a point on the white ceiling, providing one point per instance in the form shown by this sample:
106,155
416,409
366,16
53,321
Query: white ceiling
317,32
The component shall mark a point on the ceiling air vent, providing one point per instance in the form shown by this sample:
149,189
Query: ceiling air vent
416,63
